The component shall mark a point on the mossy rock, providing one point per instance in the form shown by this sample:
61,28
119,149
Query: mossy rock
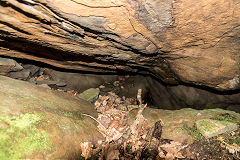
175,120
39,123
210,128
90,94
19,136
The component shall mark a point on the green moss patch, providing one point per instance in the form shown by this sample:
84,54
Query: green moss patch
226,117
19,136
210,128
192,131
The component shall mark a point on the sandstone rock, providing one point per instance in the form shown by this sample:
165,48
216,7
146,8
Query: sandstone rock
8,65
38,123
210,128
79,81
167,39
172,97
34,70
22,75
90,95
175,97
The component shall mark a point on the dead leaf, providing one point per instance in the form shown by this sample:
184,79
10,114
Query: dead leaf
173,150
86,148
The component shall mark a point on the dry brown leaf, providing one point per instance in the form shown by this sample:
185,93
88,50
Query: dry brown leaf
232,148
105,120
220,138
72,92
97,104
86,148
173,150
136,146
110,152
139,124
189,154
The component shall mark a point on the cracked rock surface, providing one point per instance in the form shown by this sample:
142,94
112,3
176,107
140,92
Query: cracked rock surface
175,41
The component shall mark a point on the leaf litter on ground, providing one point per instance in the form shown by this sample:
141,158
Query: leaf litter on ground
128,141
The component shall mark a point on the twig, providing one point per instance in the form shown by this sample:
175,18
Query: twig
139,97
95,120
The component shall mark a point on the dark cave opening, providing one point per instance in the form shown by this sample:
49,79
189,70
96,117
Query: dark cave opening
125,84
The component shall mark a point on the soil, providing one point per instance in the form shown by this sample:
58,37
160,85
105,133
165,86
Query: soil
211,150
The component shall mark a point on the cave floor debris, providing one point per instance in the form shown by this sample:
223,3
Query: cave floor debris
126,139
138,141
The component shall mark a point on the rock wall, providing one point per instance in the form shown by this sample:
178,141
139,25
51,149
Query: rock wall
177,97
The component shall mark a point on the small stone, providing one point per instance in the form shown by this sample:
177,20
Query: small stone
22,75
32,68
72,92
210,128
61,84
90,95
8,65
199,114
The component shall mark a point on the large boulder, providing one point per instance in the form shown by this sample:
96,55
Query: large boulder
39,123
